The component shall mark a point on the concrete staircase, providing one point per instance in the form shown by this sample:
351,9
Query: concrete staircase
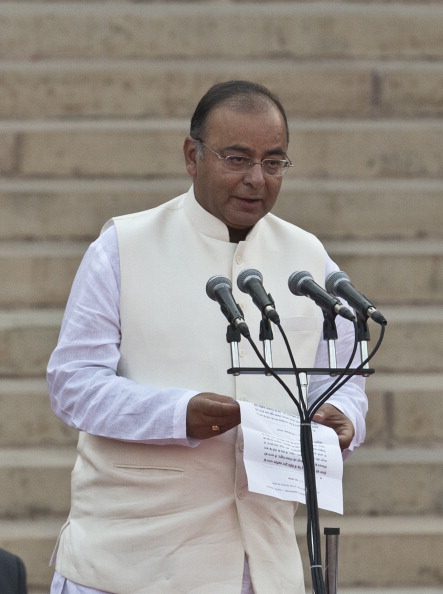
95,102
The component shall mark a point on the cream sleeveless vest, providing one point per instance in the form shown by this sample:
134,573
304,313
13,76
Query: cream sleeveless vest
149,519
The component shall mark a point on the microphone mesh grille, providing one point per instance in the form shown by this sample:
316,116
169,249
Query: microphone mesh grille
213,283
334,280
295,280
244,275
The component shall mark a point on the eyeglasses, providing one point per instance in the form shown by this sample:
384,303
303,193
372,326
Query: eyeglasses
242,164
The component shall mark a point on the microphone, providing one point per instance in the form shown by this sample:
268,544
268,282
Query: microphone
219,288
303,283
339,284
251,281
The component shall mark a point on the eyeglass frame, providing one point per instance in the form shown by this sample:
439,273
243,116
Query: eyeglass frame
250,163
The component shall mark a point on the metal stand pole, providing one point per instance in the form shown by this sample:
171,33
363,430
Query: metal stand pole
331,559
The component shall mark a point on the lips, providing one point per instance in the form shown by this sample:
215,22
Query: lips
248,199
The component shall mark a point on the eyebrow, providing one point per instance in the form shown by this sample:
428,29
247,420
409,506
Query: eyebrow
237,147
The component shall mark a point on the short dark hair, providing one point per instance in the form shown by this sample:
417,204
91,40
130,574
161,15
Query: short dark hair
238,94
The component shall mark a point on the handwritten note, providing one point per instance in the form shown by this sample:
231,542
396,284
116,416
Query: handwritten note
273,461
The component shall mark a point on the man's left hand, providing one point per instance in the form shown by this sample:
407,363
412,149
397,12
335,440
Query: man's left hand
332,417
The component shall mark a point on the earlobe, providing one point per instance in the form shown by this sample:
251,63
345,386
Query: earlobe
190,153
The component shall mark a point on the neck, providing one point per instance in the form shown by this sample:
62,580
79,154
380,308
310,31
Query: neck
236,235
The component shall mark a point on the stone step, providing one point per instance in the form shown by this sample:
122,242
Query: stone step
405,410
376,482
378,553
27,419
40,274
139,89
337,149
388,482
27,339
35,482
388,271
334,209
187,29
406,272
376,556
33,540
371,590
412,341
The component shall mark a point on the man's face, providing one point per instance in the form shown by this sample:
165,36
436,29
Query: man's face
239,200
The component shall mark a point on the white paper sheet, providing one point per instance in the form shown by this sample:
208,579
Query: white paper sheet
272,456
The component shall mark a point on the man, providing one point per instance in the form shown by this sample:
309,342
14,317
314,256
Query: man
12,574
159,491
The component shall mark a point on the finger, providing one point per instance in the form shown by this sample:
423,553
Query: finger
221,409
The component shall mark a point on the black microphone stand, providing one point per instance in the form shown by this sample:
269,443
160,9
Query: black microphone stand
320,584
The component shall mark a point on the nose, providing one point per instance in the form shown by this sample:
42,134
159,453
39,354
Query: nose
254,175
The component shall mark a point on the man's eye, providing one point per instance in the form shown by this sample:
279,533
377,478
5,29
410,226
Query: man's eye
237,159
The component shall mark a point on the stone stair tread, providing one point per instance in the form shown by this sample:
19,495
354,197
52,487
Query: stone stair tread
41,248
36,426
382,247
354,533
395,525
404,382
40,327
13,387
105,87
396,456
37,457
34,528
387,247
333,209
349,525
410,382
46,456
215,63
115,148
361,37
404,590
394,400
179,124
414,313
39,185
25,317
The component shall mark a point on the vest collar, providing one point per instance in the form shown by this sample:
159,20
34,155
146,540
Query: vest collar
206,223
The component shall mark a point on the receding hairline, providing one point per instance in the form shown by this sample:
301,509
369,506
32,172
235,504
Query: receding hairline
241,95
247,103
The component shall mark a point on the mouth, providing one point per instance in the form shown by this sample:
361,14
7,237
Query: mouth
246,200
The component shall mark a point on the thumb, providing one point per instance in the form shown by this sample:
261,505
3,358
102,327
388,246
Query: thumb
319,415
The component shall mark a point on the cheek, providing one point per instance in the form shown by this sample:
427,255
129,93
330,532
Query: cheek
273,191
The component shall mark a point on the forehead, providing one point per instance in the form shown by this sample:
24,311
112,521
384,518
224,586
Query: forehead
261,128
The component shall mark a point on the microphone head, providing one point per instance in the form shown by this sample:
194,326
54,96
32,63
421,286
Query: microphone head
215,282
295,280
245,275
334,279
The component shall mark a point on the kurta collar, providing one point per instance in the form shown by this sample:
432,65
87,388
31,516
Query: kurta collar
206,223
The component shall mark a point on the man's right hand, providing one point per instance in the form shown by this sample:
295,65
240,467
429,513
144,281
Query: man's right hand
211,414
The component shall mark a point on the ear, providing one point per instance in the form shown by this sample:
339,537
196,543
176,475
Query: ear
190,153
